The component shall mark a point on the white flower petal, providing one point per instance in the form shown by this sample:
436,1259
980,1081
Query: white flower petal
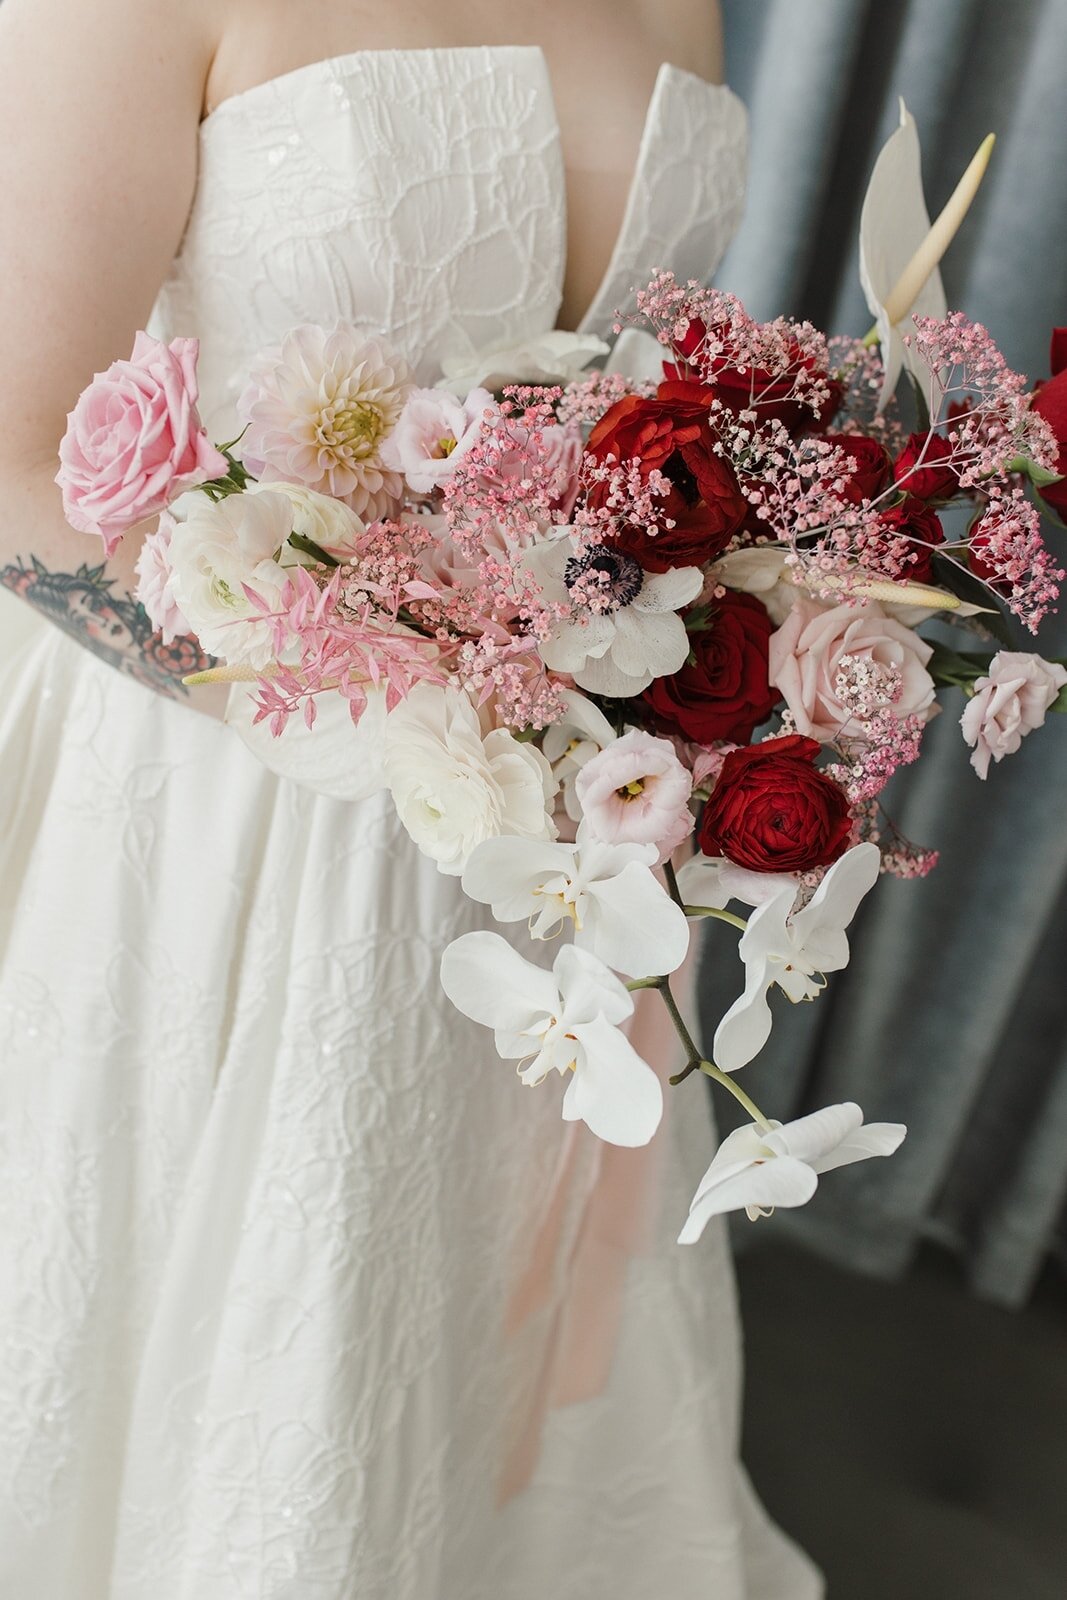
504,872
819,927
492,984
671,590
872,1139
746,1027
780,1181
589,989
613,1091
633,924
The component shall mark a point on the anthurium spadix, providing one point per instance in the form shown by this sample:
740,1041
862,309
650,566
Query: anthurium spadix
619,909
894,223
757,1169
564,1021
793,950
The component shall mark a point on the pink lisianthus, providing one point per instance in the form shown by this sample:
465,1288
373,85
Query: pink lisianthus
433,434
636,791
1008,704
154,583
134,441
819,651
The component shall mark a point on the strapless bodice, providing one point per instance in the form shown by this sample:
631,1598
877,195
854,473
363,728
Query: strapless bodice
420,194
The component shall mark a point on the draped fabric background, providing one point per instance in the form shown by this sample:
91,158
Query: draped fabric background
953,1014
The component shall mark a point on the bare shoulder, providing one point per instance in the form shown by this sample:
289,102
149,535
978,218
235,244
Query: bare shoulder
687,33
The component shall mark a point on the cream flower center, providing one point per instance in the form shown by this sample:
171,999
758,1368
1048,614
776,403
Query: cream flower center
351,427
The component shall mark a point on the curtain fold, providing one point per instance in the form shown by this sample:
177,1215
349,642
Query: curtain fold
953,1014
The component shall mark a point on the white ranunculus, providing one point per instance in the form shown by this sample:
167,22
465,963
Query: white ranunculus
329,523
217,551
556,356
453,786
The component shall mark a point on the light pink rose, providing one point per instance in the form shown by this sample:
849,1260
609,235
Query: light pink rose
636,791
135,441
433,434
1008,704
806,654
154,589
560,458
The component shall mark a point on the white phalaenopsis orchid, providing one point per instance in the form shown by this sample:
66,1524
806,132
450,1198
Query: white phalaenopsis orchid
759,1168
714,881
793,950
564,1021
621,912
580,734
893,224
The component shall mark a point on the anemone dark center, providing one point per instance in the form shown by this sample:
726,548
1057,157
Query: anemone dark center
615,575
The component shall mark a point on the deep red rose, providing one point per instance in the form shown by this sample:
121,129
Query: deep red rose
741,387
871,465
912,519
672,434
1050,402
723,692
933,480
772,811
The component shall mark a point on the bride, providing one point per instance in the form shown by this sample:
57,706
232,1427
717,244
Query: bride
266,1199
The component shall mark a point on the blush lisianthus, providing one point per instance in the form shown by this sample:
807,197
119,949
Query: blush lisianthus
432,435
1008,704
453,786
317,410
636,791
134,441
155,586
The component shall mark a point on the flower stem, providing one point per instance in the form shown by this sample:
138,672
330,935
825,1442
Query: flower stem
712,1071
672,883
720,916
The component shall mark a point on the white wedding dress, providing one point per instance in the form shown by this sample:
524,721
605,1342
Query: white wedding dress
263,1194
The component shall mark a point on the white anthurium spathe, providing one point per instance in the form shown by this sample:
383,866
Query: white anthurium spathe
620,910
555,356
794,951
563,1021
579,735
639,636
756,1169
893,225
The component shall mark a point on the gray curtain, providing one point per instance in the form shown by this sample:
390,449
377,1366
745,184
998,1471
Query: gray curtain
953,1014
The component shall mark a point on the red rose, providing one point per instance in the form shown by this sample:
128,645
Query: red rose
871,465
672,434
744,388
912,519
1050,402
723,692
773,812
933,480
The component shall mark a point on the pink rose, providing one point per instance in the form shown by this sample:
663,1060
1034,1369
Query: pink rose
135,441
433,434
559,461
636,791
806,662
1008,704
154,589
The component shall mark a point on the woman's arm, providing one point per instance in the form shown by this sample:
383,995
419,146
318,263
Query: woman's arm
99,109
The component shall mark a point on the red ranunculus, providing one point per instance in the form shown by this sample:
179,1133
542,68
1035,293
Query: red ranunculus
671,433
1050,402
723,692
742,388
772,811
871,465
912,520
933,480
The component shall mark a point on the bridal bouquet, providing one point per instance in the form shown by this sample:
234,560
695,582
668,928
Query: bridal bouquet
631,653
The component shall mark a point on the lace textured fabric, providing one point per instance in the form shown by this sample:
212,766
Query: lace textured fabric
263,1193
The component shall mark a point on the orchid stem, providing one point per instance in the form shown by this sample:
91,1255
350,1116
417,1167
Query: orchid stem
672,883
720,916
712,1071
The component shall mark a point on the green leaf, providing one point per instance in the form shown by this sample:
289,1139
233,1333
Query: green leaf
957,578
308,547
957,668
1039,476
922,409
